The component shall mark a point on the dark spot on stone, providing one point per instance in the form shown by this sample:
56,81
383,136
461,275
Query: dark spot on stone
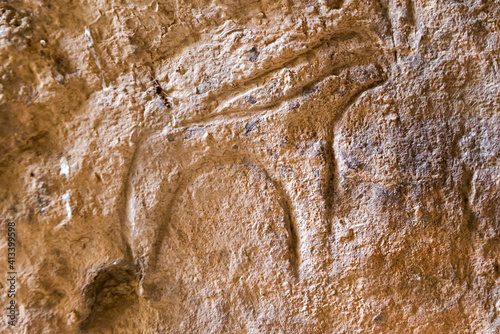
204,87
170,137
251,99
163,102
310,90
335,4
190,133
380,318
249,127
286,170
272,153
162,99
354,164
98,177
349,236
62,65
32,174
253,54
235,147
392,195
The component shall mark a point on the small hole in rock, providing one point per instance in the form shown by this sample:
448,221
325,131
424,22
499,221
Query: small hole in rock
253,54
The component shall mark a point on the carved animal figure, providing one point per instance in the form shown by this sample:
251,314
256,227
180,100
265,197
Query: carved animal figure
216,195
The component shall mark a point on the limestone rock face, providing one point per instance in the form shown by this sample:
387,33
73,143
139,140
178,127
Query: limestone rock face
244,166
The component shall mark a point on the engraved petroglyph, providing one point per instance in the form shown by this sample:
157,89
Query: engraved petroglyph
252,166
184,183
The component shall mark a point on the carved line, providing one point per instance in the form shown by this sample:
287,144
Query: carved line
412,20
336,4
385,12
339,35
165,223
290,222
284,202
367,56
331,184
264,110
123,214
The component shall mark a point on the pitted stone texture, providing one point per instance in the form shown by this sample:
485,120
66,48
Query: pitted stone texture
287,166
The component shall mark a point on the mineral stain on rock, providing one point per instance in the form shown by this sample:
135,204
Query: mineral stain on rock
250,126
253,54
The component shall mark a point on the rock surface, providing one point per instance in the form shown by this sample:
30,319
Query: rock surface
244,166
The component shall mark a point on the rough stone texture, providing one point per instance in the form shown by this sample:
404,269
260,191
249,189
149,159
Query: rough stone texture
245,166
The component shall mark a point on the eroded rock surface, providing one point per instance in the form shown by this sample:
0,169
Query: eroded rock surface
274,166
